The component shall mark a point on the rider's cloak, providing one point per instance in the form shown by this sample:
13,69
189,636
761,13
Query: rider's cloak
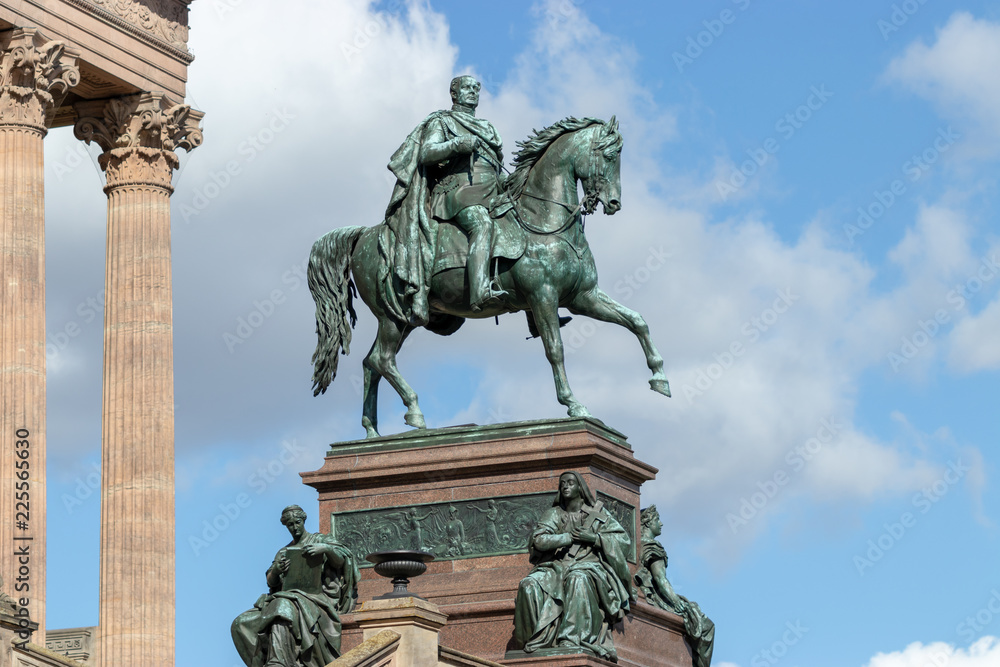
408,239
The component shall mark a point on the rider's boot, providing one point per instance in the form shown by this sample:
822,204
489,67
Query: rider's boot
476,222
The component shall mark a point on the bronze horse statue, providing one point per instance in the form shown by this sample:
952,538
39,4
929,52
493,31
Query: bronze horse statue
556,269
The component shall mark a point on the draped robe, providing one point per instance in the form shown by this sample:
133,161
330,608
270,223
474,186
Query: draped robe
314,618
570,601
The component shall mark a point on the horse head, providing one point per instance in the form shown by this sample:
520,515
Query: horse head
601,170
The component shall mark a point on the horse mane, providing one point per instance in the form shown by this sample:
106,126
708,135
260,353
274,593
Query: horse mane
532,148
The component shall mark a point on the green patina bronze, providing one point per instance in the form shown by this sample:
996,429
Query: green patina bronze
652,581
452,530
624,514
459,240
311,582
460,528
580,587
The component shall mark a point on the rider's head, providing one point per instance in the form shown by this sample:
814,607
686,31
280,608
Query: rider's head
465,91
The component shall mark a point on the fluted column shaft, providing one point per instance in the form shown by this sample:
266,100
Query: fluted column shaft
34,74
137,510
137,603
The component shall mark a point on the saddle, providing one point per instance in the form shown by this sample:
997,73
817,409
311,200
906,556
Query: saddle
509,239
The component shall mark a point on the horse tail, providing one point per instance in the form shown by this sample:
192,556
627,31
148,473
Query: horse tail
333,291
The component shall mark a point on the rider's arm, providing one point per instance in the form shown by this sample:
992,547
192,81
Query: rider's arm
437,148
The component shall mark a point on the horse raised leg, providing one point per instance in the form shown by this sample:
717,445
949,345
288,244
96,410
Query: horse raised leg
545,310
381,362
598,305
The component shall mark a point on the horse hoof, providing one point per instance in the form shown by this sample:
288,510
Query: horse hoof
579,411
660,386
415,419
370,431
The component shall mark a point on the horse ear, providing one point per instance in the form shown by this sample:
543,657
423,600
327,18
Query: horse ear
613,124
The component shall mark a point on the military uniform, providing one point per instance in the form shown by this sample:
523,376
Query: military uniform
452,184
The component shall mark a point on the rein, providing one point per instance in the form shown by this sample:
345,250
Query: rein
586,207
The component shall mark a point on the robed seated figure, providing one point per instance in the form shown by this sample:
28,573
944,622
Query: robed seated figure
580,587
652,581
311,582
448,171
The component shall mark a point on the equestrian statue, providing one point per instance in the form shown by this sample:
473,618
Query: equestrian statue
460,240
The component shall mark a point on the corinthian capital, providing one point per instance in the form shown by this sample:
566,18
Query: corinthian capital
139,135
35,74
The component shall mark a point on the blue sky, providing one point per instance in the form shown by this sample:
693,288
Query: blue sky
856,432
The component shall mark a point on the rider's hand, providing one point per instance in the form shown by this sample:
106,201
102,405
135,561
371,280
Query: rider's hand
466,143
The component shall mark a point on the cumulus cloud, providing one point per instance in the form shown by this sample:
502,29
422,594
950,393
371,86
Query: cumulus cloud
958,74
764,339
985,652
975,343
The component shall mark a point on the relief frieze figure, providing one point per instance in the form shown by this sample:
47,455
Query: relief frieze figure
469,529
165,19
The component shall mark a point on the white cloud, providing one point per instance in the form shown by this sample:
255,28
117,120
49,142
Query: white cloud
975,341
958,74
985,652
350,102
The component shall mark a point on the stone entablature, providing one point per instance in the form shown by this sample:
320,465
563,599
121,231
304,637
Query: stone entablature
74,643
167,20
125,46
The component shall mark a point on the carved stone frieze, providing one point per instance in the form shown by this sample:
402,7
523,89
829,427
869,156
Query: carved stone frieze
165,19
139,135
458,529
35,74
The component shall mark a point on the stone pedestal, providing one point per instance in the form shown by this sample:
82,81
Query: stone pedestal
471,495
416,621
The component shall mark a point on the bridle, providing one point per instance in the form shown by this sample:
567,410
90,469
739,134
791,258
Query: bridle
590,197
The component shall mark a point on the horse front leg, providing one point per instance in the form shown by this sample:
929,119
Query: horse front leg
545,311
598,305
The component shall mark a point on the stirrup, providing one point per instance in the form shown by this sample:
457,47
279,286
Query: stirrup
494,295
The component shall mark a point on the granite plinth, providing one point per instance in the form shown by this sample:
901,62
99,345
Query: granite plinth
464,466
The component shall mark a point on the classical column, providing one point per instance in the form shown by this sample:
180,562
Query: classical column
35,73
138,135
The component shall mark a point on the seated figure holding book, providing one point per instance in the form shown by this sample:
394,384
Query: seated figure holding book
296,623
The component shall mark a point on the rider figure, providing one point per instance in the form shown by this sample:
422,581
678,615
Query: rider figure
463,157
